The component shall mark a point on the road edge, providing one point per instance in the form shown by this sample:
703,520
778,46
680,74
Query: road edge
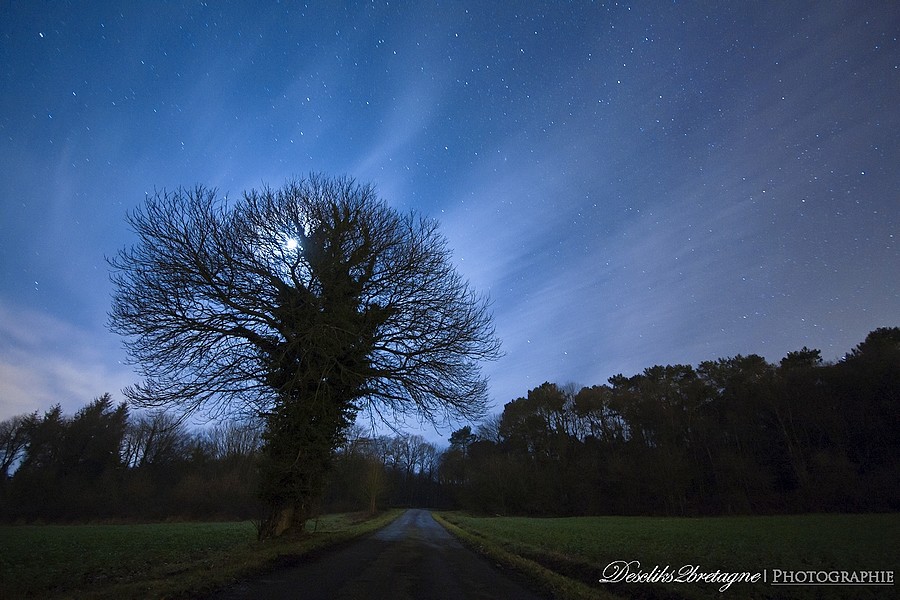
208,581
546,580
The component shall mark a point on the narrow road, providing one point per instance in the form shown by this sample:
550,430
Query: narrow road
413,557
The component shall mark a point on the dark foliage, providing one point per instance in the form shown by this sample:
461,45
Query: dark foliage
70,466
735,435
104,464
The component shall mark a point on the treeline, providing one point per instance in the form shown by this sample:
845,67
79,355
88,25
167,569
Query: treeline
105,463
730,436
734,435
371,473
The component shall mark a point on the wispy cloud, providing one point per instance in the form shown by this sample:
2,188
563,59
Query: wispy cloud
592,288
45,360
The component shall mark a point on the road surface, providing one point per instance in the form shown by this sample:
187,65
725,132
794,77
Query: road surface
413,557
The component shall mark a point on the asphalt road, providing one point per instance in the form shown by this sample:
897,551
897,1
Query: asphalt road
413,557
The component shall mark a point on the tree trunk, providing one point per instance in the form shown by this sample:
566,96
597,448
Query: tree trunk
292,520
289,520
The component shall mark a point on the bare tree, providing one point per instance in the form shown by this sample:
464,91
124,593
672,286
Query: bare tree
302,305
236,439
13,442
489,429
154,439
428,456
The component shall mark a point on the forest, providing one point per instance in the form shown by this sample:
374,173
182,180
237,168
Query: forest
730,436
104,463
734,435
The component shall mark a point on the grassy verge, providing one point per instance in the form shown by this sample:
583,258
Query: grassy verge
165,560
545,579
561,553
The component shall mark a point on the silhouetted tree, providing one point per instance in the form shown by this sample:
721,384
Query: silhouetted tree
154,440
738,434
461,439
37,485
93,438
867,383
72,466
489,429
301,305
13,442
452,468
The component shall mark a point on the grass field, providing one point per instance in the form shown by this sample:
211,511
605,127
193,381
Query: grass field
581,548
152,560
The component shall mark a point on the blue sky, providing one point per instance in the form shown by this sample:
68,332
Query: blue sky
632,183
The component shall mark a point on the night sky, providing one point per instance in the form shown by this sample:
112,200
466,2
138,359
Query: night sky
632,183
